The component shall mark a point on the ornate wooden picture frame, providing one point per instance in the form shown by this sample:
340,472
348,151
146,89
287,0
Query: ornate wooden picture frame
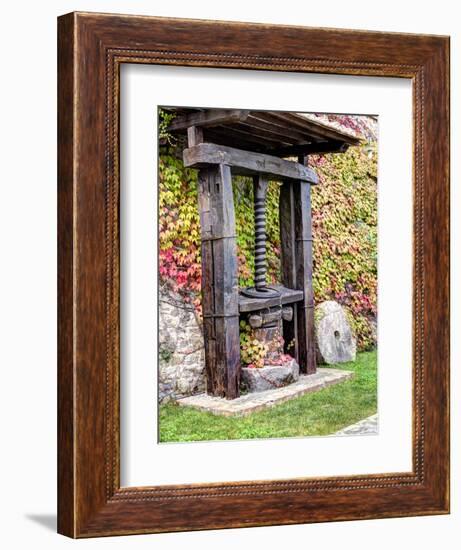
92,48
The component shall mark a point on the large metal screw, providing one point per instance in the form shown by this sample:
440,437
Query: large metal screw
260,191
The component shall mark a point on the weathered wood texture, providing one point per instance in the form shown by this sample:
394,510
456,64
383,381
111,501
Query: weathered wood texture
287,296
91,500
303,247
247,163
288,264
211,117
296,261
194,135
219,281
314,148
304,254
276,133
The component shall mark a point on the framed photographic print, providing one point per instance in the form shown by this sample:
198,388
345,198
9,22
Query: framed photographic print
253,275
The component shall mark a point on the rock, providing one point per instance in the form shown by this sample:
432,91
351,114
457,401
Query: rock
269,377
336,342
181,350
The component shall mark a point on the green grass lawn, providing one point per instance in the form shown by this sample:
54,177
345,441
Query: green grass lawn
320,413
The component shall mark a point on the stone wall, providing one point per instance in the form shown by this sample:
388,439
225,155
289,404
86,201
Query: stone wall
181,352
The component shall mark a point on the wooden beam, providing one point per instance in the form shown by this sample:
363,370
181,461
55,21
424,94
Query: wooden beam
247,163
269,136
304,129
219,135
296,262
288,263
259,120
233,136
315,148
219,282
321,130
327,131
261,136
287,296
297,123
303,253
211,117
194,135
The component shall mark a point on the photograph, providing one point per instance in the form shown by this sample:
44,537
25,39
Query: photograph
253,273
267,274
227,261
228,246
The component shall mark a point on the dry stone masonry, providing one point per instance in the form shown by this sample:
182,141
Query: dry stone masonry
181,350
182,358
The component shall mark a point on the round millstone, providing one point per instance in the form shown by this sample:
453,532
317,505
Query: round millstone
336,342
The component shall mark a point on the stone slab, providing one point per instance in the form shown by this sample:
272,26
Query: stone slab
270,377
367,426
252,402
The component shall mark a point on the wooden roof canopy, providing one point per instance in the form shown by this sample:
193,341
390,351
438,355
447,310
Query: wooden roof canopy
277,133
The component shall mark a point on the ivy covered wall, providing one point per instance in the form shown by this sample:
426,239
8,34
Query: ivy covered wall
344,217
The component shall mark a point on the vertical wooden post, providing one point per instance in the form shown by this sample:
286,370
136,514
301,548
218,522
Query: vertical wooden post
219,276
305,309
288,263
296,259
219,281
303,237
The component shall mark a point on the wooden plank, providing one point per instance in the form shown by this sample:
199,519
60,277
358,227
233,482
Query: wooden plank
219,135
327,130
210,117
219,282
287,296
301,125
236,135
259,120
307,129
318,130
288,263
314,148
303,246
207,277
247,163
296,261
194,135
271,138
280,124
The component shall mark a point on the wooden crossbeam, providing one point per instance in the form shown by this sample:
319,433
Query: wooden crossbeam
248,163
261,120
204,119
312,148
296,263
317,129
287,296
